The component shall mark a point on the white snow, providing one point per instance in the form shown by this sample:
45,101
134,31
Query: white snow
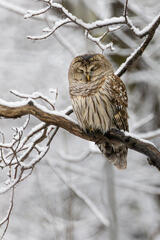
54,112
93,147
31,13
97,40
145,30
57,24
14,104
89,26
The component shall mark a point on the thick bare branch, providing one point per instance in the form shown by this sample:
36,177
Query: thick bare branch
60,120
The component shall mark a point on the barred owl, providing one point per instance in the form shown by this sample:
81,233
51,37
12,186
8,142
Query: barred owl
99,100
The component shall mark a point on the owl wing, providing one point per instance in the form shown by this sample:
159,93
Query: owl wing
119,102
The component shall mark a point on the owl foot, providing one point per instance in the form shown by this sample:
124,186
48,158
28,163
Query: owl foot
95,133
100,140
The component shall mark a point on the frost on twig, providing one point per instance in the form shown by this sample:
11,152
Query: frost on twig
26,144
112,24
98,40
57,25
37,95
31,13
20,155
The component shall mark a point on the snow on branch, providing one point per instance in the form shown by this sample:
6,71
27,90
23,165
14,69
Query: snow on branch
112,24
140,49
70,18
37,95
59,119
97,40
49,31
31,13
88,26
146,30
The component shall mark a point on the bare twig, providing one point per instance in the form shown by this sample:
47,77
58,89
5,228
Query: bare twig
7,218
125,9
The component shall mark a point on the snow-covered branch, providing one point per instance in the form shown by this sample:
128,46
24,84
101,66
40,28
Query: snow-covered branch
97,40
49,31
59,119
147,32
111,23
24,146
88,26
31,13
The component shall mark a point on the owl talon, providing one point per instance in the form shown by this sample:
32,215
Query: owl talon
100,140
94,133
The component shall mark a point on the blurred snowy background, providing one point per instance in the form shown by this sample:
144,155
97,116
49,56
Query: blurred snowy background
73,194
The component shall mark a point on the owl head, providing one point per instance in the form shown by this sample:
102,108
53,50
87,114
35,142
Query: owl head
88,68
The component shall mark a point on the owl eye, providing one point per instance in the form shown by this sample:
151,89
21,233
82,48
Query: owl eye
94,68
79,70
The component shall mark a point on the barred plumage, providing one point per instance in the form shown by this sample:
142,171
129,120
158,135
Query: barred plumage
99,101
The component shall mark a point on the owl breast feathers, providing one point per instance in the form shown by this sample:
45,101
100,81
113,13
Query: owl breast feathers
99,100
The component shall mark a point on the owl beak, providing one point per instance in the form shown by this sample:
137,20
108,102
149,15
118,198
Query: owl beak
88,77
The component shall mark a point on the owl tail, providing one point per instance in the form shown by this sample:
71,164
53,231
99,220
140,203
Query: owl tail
116,154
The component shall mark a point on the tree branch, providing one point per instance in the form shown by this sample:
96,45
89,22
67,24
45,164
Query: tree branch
149,31
59,119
